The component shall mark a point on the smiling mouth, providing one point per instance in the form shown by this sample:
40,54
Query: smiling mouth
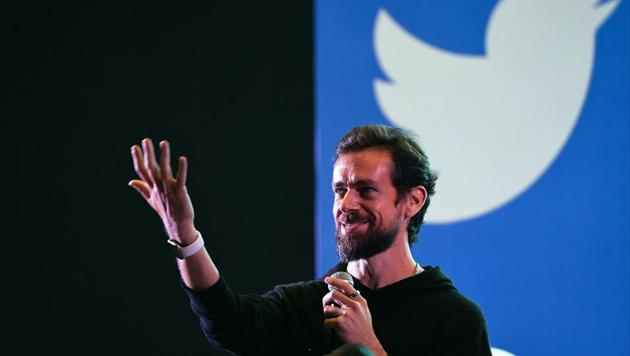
350,227
354,223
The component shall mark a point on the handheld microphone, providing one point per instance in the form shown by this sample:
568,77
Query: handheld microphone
343,276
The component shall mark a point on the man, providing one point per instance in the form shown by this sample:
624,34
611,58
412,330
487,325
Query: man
382,186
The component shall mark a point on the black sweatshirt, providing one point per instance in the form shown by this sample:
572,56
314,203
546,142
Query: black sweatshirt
420,315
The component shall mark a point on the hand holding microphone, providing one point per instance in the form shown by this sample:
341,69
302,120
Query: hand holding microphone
342,294
344,276
347,312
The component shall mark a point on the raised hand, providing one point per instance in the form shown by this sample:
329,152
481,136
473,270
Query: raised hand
350,317
167,195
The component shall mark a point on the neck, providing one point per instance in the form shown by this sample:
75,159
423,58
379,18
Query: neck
388,267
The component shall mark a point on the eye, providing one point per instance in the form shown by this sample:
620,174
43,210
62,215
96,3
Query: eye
366,190
339,191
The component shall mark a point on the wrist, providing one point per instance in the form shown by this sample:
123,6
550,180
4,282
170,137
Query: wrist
185,235
183,252
376,348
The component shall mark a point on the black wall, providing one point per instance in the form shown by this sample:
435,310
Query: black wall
229,84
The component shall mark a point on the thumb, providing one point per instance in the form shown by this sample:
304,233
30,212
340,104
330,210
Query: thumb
141,187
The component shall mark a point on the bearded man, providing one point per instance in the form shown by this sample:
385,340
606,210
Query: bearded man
382,186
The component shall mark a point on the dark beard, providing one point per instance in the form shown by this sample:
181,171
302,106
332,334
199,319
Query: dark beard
356,246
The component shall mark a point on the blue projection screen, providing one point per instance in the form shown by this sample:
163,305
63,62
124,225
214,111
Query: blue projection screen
522,107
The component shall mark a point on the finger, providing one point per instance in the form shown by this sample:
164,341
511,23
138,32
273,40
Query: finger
329,323
328,299
182,172
333,323
141,187
342,299
165,161
149,161
331,311
337,297
340,284
138,163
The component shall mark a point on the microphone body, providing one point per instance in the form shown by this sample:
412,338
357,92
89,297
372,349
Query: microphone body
343,276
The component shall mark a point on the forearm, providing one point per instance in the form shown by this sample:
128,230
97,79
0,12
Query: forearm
198,271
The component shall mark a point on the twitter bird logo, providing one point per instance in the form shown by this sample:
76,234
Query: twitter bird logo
492,124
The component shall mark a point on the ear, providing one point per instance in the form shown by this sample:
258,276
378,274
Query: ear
416,197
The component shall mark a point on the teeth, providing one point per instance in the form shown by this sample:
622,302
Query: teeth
353,224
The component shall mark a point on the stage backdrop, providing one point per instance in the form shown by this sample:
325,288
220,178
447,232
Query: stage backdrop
522,107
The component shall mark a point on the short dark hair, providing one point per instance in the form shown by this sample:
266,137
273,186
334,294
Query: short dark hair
411,165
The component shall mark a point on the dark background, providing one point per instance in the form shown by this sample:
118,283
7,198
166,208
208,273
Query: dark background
229,84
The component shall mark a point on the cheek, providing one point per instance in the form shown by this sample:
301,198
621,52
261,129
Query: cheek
382,214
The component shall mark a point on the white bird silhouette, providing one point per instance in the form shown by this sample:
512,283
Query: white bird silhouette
491,124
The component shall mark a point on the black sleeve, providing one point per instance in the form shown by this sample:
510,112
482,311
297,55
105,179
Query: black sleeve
246,324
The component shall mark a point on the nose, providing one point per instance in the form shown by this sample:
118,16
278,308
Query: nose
348,203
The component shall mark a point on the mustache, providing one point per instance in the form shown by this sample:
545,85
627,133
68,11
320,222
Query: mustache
353,217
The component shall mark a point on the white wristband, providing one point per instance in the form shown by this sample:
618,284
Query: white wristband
183,252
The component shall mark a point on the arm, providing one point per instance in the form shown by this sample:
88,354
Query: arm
168,196
249,324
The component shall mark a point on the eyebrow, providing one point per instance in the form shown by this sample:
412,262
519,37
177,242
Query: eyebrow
358,182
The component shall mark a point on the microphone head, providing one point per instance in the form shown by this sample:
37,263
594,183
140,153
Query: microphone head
341,275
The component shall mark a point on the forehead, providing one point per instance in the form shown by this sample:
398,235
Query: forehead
370,164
